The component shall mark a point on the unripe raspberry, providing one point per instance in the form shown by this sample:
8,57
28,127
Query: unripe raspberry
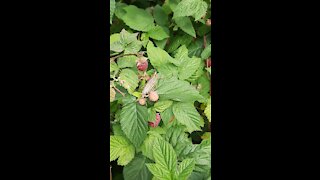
153,96
142,101
208,22
142,64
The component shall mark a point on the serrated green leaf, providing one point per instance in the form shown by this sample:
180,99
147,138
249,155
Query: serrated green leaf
112,9
201,153
196,48
201,10
134,124
177,90
148,144
181,55
127,37
206,52
168,70
161,44
165,160
137,169
151,114
204,86
133,47
166,115
160,16
120,12
117,46
127,61
195,8
122,149
187,115
176,41
177,137
113,67
196,75
159,172
158,33
162,105
117,131
185,168
184,23
130,79
137,19
186,66
207,111
158,56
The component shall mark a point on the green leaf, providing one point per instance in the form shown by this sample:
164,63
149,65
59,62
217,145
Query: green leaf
114,37
204,86
130,80
201,153
179,39
166,115
157,56
117,131
177,90
207,111
137,169
185,168
187,115
184,23
196,75
187,68
168,70
116,46
177,137
112,9
113,67
209,70
138,19
159,172
148,145
195,8
201,10
151,114
133,47
122,149
196,48
161,44
127,61
127,38
158,33
144,39
206,52
160,16
185,8
120,12
165,160
134,124
181,55
162,105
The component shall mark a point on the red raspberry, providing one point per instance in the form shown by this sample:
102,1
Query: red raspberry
156,122
142,64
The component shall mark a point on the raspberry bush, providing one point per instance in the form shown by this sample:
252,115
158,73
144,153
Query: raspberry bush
160,95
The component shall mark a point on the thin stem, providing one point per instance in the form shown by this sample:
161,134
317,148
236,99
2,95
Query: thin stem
121,55
119,91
